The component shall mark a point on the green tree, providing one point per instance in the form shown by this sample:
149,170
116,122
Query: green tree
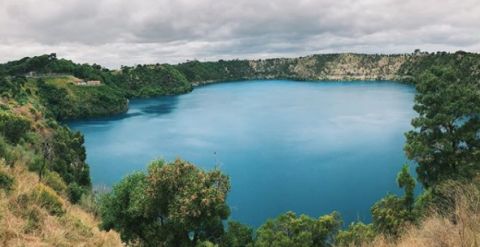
123,209
174,204
407,182
288,230
445,142
392,213
188,199
356,234
237,235
13,127
389,215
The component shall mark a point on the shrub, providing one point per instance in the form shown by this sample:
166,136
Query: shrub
291,230
355,235
237,235
389,215
13,127
174,204
54,180
47,198
5,152
74,192
35,164
6,182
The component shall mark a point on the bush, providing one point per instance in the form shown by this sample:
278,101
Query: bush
174,204
6,182
54,180
389,215
47,198
13,127
237,235
6,153
35,164
355,235
74,192
290,230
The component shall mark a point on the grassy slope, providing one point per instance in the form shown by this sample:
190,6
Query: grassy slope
75,228
26,220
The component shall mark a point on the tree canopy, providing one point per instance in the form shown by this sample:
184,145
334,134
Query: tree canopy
175,204
445,142
289,230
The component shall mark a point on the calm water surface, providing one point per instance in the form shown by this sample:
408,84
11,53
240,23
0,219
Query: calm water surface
309,147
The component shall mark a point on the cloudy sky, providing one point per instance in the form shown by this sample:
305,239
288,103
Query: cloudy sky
116,32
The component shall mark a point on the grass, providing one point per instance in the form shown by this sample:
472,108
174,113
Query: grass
24,222
460,227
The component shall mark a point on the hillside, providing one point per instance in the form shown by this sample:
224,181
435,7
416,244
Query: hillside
28,216
45,188
346,66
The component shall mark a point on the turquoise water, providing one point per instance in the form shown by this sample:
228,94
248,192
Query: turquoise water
309,147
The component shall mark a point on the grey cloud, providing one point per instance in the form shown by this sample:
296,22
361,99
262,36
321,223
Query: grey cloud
115,32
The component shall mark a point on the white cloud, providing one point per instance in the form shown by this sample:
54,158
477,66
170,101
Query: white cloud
115,32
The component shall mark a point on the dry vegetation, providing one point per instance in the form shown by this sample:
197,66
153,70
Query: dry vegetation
459,228
33,224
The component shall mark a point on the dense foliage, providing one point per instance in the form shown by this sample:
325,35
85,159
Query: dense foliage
151,80
71,102
174,204
196,71
6,182
445,142
355,234
13,127
288,230
237,235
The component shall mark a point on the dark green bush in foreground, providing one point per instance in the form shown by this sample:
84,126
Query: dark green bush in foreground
6,182
13,127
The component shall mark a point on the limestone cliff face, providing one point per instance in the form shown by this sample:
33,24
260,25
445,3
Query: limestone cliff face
332,67
345,66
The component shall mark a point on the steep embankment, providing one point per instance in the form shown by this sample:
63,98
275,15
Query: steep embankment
45,189
34,214
333,67
316,67
347,66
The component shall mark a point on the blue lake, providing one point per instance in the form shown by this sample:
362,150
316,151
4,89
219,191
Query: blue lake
309,147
